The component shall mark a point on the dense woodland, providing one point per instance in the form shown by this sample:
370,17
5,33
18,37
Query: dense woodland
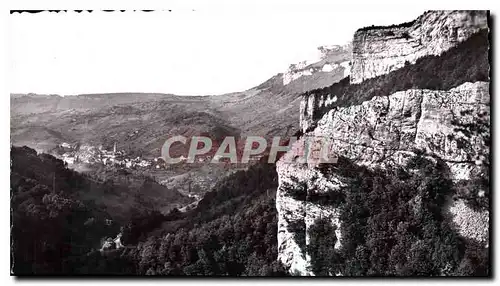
394,224
49,223
231,232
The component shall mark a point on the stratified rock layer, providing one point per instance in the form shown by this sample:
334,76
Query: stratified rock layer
380,50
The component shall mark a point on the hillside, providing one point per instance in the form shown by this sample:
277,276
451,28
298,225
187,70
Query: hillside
119,195
140,123
43,121
231,232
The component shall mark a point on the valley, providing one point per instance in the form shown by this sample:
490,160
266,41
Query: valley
405,108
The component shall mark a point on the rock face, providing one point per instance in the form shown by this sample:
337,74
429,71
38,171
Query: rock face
384,131
310,107
424,119
380,50
290,211
452,125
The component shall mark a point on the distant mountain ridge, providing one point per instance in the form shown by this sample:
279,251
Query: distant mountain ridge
262,110
139,123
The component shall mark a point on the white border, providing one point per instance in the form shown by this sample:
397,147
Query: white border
203,5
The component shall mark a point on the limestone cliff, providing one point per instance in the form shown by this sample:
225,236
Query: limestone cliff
449,125
379,50
385,130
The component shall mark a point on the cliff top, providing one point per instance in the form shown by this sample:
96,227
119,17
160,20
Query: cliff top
406,24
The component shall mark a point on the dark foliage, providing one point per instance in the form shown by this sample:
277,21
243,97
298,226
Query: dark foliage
298,228
296,190
321,248
330,198
51,227
402,25
393,224
231,232
469,190
242,243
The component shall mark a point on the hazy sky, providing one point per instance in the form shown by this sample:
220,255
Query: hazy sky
181,52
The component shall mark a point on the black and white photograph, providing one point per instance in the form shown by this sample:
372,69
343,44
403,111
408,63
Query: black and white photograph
280,142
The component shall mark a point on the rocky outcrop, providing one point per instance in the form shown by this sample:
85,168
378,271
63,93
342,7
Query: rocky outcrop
379,129
330,65
380,50
384,130
452,125
310,108
292,210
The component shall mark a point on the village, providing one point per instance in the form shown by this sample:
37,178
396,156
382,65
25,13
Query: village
73,154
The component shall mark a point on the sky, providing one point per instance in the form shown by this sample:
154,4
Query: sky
201,52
